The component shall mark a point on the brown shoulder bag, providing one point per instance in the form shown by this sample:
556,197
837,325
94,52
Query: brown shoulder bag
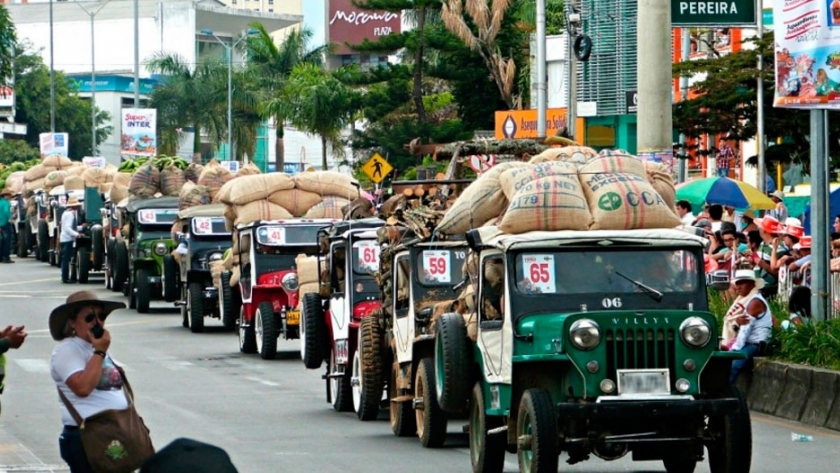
114,441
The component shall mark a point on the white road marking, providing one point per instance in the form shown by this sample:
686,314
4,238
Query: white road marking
139,322
262,381
177,365
15,296
33,365
26,282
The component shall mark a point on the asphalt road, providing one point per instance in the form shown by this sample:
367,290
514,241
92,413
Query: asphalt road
270,416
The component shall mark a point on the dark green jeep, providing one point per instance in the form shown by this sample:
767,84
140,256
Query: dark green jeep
587,343
149,241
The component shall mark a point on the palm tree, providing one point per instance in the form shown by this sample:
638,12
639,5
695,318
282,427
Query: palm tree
271,65
8,42
316,102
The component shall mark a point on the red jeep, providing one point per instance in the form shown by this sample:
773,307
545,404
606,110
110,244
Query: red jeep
268,281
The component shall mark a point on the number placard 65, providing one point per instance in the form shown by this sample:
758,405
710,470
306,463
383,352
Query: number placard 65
539,274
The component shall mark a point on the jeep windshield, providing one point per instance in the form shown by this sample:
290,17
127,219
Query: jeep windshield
609,278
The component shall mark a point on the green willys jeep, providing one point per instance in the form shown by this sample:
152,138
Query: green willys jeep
90,246
591,343
149,242
206,238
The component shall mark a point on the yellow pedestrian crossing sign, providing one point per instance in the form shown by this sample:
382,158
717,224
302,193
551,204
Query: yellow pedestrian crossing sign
376,168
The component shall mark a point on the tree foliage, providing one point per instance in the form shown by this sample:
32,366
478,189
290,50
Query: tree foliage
14,151
8,44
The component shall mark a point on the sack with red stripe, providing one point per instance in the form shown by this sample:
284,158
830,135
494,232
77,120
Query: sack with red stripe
621,201
549,203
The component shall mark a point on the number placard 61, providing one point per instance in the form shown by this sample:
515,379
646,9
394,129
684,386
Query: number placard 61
539,274
368,256
437,266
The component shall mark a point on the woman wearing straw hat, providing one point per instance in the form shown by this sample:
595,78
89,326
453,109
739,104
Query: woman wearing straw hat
83,369
69,233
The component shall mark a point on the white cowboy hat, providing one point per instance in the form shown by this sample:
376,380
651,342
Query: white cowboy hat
75,301
748,275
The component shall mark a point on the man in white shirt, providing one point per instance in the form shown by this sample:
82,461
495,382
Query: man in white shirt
69,233
684,211
756,324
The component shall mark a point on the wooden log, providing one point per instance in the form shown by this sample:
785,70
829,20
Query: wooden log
419,191
408,192
510,147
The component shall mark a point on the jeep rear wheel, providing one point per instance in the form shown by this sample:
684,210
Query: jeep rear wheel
185,315
452,363
195,309
120,268
228,304
536,433
265,331
487,452
314,344
97,248
732,452
340,389
44,242
83,265
431,420
170,279
403,422
367,370
247,339
143,291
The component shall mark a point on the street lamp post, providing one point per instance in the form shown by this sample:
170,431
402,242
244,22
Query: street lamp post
229,49
92,15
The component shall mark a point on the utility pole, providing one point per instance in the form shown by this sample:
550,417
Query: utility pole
762,170
571,32
819,215
136,54
52,73
653,73
540,84
685,43
92,15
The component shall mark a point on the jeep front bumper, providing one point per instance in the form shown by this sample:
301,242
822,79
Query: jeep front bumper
655,408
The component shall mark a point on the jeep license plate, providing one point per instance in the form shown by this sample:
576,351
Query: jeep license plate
636,382
293,317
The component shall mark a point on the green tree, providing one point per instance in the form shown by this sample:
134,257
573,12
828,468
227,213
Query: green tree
726,104
314,101
270,66
72,113
8,44
17,151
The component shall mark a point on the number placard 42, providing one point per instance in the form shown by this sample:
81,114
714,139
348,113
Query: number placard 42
539,274
203,225
437,266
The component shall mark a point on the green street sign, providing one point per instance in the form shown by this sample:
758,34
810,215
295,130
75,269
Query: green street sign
713,13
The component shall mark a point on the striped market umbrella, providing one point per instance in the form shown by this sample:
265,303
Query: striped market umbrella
724,191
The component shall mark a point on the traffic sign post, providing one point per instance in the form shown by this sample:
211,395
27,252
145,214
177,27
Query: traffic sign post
377,168
722,13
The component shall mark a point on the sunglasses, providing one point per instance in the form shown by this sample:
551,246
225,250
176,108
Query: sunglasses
89,318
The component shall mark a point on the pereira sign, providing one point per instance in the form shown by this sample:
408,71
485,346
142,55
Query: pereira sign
712,13
347,23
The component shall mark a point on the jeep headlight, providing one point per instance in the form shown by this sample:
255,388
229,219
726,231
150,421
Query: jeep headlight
695,332
160,248
290,282
215,256
585,334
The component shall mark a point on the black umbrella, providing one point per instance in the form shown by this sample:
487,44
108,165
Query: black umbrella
189,456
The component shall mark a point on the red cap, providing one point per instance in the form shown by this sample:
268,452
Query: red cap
795,231
769,225
805,242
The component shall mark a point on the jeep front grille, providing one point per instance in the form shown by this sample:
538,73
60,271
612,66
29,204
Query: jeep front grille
640,349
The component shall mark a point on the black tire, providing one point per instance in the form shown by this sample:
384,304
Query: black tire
537,420
83,264
314,339
228,301
128,290
109,265
247,338
22,240
185,315
170,279
487,452
195,297
452,363
401,414
265,331
430,419
97,248
44,241
680,465
341,390
733,450
144,291
120,266
55,256
367,369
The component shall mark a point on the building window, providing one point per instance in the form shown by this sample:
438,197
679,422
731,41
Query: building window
271,10
271,2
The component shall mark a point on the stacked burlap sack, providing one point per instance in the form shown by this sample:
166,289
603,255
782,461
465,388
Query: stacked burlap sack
572,188
308,274
149,181
35,177
273,196
15,182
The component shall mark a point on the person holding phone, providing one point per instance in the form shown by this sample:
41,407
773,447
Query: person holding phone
83,369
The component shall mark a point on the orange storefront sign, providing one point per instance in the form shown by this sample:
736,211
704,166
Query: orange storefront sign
517,124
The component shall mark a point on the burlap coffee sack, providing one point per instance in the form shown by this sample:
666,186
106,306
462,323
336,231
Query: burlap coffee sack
259,210
480,201
171,181
327,183
296,201
214,176
248,170
515,179
57,161
33,186
192,195
118,193
660,178
614,162
625,202
145,182
246,189
574,154
330,207
38,171
74,183
94,177
549,203
122,179
54,179
193,171
106,188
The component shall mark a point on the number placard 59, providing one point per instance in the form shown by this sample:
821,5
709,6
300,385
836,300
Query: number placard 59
539,274
437,266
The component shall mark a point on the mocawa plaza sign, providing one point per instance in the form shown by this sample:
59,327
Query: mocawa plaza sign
349,24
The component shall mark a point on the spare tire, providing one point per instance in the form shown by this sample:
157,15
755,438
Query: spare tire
452,363
314,342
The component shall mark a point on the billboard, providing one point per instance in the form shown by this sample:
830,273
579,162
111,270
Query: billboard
7,96
54,143
347,23
139,132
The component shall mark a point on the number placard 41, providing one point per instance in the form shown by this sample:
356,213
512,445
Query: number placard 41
539,274
437,266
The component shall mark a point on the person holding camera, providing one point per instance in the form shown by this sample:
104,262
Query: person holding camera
87,378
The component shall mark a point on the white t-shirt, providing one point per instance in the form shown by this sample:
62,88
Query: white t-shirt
70,356
688,218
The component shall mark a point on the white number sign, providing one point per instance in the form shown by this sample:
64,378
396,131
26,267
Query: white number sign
437,266
62,200
148,216
275,236
368,259
203,225
539,274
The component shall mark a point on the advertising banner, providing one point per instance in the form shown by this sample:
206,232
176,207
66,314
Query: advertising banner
7,96
139,132
92,162
54,143
350,24
807,53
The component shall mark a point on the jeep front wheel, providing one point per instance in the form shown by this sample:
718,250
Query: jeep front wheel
313,338
247,339
265,331
195,309
536,433
340,389
367,370
431,420
83,265
452,363
732,451
403,423
487,451
227,306
144,291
